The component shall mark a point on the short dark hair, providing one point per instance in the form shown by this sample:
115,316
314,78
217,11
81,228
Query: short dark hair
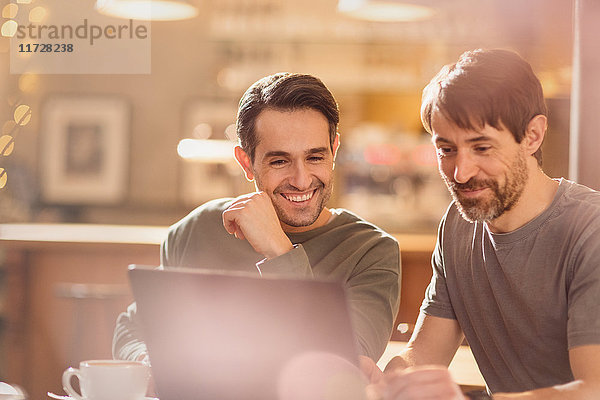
285,92
494,87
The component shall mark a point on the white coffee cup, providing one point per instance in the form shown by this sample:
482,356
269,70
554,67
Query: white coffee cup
108,380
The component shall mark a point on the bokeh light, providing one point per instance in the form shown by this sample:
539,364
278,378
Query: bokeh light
7,145
230,132
28,83
22,114
206,150
38,14
10,10
9,28
202,131
3,177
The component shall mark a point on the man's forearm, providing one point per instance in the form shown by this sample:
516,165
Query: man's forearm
576,390
433,342
402,361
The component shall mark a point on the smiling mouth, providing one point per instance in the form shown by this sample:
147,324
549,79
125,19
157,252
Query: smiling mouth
471,192
298,197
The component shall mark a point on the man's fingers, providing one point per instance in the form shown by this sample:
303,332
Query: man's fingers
253,218
230,216
423,374
239,204
421,383
247,199
233,212
228,223
233,229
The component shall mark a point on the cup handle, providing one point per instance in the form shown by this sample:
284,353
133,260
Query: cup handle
66,381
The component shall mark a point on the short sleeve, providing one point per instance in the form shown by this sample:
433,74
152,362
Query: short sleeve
437,300
583,326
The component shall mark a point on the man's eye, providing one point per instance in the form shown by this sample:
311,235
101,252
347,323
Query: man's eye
277,163
316,158
444,151
482,149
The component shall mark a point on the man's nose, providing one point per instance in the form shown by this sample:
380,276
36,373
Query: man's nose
465,167
301,177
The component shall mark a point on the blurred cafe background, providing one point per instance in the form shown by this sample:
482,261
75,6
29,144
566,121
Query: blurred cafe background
101,164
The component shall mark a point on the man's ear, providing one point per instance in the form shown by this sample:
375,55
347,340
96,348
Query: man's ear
535,133
336,145
244,161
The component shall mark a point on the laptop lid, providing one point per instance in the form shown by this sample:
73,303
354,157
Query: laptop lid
217,335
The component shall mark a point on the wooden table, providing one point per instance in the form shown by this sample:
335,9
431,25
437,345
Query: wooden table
66,284
463,367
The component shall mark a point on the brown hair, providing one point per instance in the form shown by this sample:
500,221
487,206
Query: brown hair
493,87
287,92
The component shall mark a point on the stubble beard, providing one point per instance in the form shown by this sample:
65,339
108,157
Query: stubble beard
301,217
503,199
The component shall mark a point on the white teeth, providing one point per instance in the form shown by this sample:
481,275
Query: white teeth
298,198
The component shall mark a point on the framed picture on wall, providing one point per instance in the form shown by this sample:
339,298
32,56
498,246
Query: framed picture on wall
84,149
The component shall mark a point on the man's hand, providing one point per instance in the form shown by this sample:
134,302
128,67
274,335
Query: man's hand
427,382
370,369
252,217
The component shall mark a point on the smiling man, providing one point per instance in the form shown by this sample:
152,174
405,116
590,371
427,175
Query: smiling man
287,130
293,171
516,268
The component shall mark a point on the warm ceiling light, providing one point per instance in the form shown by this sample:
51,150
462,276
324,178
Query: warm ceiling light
206,150
384,10
148,10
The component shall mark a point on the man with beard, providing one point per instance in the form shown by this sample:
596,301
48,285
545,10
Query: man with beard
287,130
516,268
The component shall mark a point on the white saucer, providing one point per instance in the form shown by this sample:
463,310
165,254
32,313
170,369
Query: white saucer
59,397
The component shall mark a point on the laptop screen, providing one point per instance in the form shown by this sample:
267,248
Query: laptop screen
217,335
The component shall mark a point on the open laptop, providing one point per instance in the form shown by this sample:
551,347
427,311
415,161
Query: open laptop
217,335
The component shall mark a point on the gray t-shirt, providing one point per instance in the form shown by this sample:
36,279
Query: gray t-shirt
347,249
523,298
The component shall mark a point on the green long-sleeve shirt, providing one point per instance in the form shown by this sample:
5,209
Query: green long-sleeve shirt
347,249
